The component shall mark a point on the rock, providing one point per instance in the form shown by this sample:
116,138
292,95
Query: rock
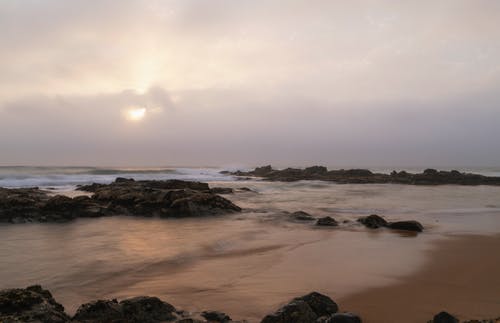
444,317
123,197
327,221
343,318
321,304
297,311
33,304
147,310
215,316
301,216
100,311
304,309
373,221
406,226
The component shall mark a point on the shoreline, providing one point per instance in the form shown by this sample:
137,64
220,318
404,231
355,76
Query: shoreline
460,277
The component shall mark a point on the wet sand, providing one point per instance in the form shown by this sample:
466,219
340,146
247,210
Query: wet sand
461,277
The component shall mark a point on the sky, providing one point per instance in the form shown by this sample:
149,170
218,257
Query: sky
225,82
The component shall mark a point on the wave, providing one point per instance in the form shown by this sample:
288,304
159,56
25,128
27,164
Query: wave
68,177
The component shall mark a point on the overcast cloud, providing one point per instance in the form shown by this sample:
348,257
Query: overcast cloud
356,83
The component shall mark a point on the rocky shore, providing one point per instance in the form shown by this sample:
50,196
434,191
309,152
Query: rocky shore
170,198
37,305
365,176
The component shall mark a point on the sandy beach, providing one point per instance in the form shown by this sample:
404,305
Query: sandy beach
461,277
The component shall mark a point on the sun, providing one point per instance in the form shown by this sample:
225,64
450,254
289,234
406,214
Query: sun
135,114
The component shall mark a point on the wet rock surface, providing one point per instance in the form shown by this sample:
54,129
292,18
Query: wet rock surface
327,221
365,176
375,221
32,304
171,198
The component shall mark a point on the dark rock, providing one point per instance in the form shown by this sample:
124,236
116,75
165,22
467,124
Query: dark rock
32,304
100,311
173,198
343,318
297,311
373,221
264,170
444,317
147,310
406,226
215,316
301,216
327,221
321,304
427,177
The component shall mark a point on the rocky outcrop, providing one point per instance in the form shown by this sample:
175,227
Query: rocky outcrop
365,176
33,304
172,198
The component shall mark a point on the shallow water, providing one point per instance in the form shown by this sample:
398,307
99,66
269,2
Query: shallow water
249,263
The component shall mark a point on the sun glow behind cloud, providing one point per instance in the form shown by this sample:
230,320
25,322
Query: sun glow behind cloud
135,114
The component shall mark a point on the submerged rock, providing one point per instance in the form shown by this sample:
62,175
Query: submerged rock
373,221
301,216
327,221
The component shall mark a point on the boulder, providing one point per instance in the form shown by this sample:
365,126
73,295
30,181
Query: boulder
406,226
304,309
321,304
327,221
33,304
100,311
373,221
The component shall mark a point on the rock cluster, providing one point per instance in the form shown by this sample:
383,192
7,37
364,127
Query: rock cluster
171,198
365,176
374,221
36,305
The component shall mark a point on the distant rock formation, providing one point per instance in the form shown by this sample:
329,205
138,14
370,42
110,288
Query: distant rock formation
365,176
